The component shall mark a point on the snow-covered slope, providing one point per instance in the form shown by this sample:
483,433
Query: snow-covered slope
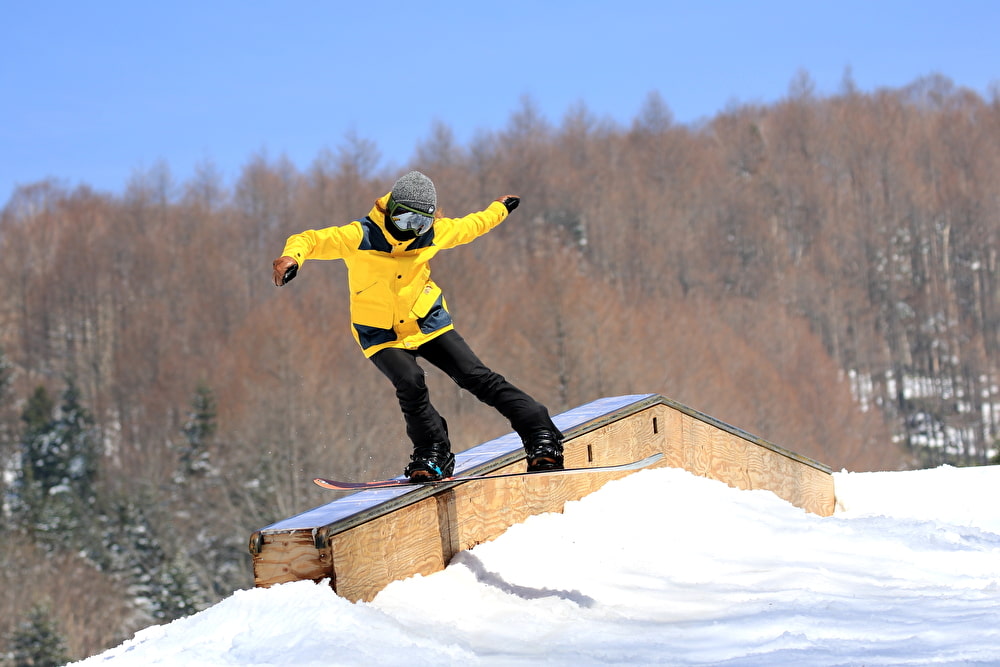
662,567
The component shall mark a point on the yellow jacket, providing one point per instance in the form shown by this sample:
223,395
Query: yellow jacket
394,302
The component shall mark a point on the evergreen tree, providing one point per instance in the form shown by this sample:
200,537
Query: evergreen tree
55,489
176,591
158,578
75,429
211,548
195,459
33,479
37,642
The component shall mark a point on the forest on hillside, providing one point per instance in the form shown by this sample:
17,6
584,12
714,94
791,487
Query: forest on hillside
821,272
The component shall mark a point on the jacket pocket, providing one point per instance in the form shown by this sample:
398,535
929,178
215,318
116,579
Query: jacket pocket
429,296
372,306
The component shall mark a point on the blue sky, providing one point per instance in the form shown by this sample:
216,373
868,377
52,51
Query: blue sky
94,92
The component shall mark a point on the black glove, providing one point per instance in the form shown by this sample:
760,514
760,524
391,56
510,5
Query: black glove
510,202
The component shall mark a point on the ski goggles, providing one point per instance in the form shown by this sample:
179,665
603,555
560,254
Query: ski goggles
409,219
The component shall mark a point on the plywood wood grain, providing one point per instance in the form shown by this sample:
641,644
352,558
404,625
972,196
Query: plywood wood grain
394,546
288,557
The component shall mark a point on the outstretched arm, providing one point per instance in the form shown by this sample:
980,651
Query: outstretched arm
329,243
451,232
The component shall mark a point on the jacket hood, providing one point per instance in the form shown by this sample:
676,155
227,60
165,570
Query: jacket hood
378,215
378,212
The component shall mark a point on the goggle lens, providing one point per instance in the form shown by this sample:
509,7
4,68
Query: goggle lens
418,223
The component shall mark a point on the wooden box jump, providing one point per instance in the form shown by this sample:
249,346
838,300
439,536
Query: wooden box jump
364,541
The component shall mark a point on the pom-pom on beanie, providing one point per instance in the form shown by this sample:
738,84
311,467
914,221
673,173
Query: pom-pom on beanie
415,190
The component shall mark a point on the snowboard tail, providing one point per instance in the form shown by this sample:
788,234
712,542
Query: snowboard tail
402,481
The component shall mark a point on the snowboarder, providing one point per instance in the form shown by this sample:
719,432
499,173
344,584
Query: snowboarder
399,314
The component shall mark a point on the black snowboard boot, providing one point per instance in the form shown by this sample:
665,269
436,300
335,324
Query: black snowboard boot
430,462
545,450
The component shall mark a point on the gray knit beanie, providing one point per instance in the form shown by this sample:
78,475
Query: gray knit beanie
415,191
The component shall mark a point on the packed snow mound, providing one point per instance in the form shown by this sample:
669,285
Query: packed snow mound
661,567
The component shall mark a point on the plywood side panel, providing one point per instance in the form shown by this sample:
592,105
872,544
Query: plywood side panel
729,458
289,557
390,547
486,509
670,427
633,437
814,491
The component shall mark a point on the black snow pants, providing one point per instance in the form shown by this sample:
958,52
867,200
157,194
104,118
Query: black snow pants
450,353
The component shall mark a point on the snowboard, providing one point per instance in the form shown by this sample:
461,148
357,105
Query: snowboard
402,481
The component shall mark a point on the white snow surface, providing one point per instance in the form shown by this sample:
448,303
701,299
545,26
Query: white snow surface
660,568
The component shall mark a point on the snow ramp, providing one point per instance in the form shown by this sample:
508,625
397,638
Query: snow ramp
363,541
